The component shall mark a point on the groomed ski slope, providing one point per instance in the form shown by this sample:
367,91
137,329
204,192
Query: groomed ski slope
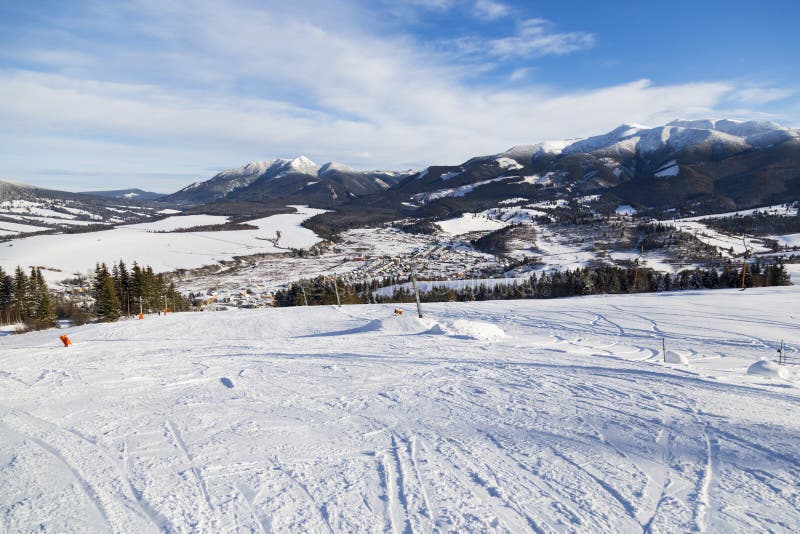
543,416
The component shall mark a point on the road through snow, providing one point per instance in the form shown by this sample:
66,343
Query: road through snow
323,419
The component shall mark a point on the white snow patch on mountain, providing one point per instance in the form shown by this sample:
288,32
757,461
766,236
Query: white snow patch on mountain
667,171
454,192
625,209
470,222
508,164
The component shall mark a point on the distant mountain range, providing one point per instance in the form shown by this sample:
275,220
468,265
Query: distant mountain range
125,194
707,165
702,165
284,180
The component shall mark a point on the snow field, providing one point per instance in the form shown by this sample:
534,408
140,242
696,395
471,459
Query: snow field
354,419
67,254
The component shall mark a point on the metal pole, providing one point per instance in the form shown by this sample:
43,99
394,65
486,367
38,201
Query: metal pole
416,293
336,290
303,289
744,260
664,349
140,305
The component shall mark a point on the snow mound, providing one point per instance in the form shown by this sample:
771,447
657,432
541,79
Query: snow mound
767,368
397,325
472,330
460,328
674,356
408,324
404,325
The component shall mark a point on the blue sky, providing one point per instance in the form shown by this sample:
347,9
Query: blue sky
100,95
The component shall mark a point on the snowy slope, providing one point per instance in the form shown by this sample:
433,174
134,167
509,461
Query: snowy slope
318,419
63,255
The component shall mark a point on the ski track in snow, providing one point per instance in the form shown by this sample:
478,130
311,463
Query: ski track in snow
353,420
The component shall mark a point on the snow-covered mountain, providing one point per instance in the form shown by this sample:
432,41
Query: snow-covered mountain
126,194
284,180
26,209
680,135
716,163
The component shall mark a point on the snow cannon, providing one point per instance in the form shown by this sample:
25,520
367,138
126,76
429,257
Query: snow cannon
65,340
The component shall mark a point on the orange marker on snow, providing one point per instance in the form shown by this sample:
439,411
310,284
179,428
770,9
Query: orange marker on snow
65,340
141,316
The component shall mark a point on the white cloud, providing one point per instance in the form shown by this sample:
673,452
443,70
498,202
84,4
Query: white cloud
491,10
535,39
519,74
222,87
761,95
433,4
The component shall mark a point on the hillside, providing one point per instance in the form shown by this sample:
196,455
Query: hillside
689,166
502,416
27,209
282,181
126,194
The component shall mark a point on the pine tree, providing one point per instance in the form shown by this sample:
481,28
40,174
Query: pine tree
44,309
107,306
20,292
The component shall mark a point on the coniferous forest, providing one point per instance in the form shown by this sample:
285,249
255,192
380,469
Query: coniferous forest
568,283
111,294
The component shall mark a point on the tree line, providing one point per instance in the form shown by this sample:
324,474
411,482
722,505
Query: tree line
607,279
25,297
121,291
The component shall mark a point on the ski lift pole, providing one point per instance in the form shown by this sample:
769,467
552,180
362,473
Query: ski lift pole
744,260
336,290
303,289
416,292
141,310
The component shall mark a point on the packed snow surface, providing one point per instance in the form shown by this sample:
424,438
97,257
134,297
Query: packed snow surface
354,419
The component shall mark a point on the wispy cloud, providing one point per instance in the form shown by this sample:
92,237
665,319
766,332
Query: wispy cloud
180,90
762,95
535,38
489,9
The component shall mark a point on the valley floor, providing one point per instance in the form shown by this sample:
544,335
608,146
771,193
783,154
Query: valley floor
354,419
